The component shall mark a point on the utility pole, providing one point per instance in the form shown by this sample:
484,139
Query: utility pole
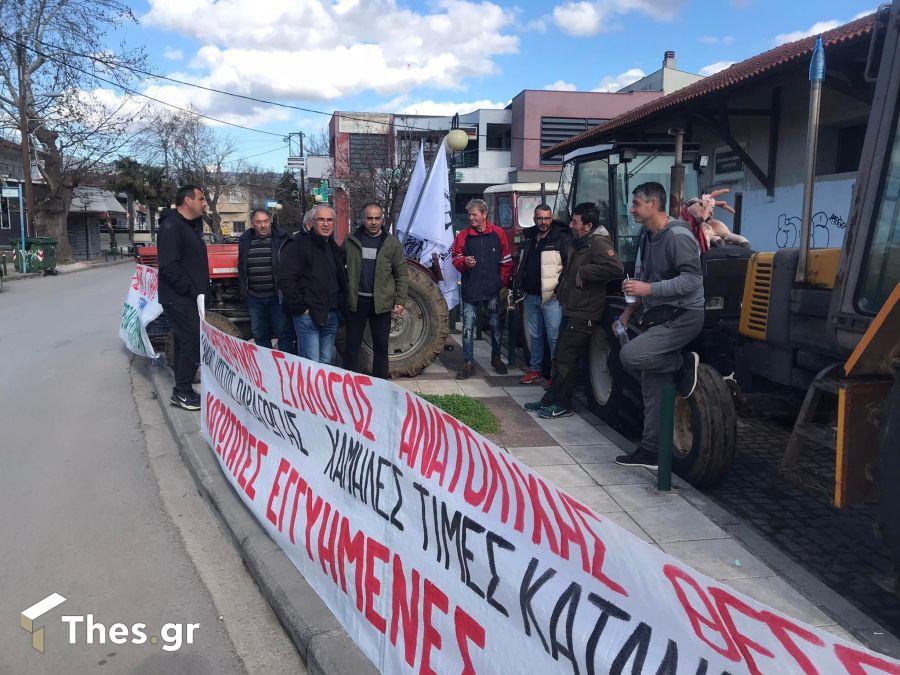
25,144
303,202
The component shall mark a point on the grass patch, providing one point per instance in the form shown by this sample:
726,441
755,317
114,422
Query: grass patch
471,412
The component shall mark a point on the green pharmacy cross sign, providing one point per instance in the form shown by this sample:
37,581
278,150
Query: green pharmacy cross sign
324,191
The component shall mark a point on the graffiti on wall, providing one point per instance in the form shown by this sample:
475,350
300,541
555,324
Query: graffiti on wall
823,224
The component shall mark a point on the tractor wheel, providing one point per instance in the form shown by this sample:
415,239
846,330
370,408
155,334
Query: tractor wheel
705,430
419,335
224,324
613,395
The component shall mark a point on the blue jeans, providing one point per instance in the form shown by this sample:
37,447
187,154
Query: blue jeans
543,324
267,320
316,344
469,314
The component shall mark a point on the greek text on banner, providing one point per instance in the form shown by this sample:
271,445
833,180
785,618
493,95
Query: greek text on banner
440,553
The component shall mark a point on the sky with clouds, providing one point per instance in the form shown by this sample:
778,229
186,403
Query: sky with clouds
439,56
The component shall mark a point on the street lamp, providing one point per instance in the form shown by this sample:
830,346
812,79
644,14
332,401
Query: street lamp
457,141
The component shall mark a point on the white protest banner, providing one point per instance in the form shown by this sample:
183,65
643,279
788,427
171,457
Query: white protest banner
140,308
440,553
425,223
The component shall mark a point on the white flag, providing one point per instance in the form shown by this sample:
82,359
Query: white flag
416,181
430,223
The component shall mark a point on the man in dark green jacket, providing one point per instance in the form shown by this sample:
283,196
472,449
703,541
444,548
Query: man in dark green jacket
592,262
377,283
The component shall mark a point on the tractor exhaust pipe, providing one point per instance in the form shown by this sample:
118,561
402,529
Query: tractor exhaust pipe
816,76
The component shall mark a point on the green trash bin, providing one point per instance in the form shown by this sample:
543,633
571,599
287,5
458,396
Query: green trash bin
40,254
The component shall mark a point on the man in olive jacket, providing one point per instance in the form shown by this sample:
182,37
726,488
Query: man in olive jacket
377,283
592,262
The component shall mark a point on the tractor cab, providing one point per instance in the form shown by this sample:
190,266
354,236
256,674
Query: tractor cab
511,207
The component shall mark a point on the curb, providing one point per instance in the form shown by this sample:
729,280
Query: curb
320,639
37,275
845,614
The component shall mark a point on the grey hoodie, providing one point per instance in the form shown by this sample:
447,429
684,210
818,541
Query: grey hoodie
670,261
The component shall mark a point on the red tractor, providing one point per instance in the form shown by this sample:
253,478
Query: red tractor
416,338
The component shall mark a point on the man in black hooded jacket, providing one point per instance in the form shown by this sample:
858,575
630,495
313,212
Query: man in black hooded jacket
312,278
184,275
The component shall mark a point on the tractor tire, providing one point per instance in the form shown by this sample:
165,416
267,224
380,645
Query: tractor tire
419,335
705,430
612,393
887,472
225,325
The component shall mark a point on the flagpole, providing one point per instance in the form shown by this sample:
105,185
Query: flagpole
412,218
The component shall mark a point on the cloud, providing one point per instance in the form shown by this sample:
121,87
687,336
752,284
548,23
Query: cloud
173,54
307,49
560,85
717,40
612,84
815,29
582,18
706,71
862,14
538,25
429,107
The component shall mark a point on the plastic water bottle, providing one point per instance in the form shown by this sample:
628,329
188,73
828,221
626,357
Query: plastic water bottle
620,331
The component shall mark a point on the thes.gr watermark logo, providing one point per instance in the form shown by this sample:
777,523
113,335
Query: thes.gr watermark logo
36,611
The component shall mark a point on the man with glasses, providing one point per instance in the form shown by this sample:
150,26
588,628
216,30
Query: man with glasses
257,271
377,282
540,264
313,281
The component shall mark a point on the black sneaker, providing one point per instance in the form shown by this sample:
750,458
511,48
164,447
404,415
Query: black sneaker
498,365
640,457
186,401
535,406
554,410
686,378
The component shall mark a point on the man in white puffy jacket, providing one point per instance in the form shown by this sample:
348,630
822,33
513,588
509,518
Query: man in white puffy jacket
543,251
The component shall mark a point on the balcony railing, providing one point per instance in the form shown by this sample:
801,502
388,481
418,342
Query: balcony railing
466,159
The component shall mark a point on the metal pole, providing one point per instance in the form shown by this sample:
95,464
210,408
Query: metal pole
24,143
676,191
24,263
816,75
302,177
666,432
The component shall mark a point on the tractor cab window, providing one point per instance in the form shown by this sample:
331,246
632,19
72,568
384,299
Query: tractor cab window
504,212
525,206
642,169
592,185
882,268
564,191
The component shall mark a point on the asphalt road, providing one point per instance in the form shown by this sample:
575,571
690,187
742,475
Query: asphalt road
96,505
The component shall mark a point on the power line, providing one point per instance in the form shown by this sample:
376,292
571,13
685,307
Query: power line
223,92
137,93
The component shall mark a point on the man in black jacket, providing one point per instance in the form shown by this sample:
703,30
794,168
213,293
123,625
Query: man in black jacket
591,263
313,281
541,261
184,275
257,273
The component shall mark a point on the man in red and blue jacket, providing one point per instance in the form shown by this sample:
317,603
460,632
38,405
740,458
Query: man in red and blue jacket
481,254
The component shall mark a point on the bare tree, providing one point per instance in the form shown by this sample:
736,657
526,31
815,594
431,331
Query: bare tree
55,42
191,152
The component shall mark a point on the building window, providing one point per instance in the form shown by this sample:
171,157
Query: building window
368,152
555,130
499,137
237,227
235,196
849,148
